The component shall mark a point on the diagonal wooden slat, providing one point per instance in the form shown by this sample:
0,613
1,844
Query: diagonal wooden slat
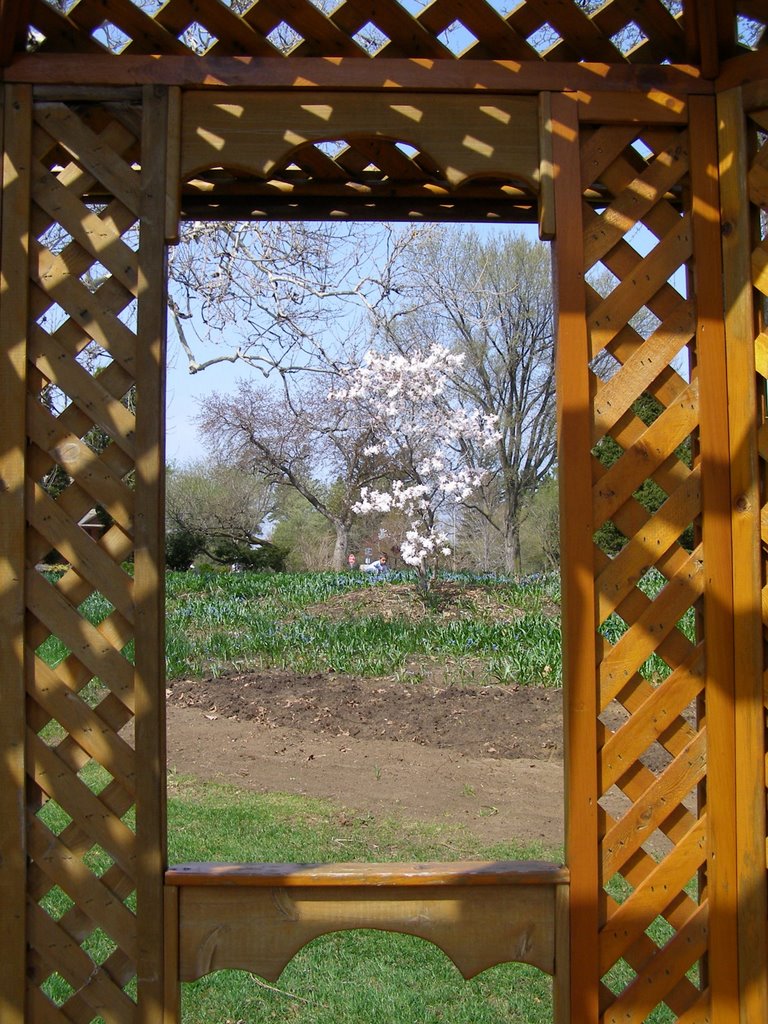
59,782
635,291
68,871
100,239
89,309
667,791
81,463
653,983
649,900
74,543
651,719
92,733
624,659
648,544
646,454
496,38
407,37
99,160
85,390
640,369
91,982
635,201
85,641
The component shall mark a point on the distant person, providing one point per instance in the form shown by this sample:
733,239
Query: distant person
352,561
379,568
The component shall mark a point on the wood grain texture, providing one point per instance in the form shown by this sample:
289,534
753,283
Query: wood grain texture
546,170
149,558
578,597
399,875
385,73
237,130
743,419
261,928
14,293
722,869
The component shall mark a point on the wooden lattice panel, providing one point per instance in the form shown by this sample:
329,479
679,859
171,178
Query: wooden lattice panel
83,354
650,32
652,750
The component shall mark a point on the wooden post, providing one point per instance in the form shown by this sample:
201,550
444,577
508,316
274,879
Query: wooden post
578,596
14,299
740,330
149,556
722,864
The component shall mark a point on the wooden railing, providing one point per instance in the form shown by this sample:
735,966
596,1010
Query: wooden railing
257,916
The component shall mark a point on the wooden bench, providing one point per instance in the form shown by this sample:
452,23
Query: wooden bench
257,916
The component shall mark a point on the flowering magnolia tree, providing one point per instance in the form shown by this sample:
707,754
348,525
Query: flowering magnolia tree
432,445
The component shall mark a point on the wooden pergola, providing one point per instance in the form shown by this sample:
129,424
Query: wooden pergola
636,136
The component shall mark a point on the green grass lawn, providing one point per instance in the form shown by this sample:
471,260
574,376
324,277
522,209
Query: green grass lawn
351,977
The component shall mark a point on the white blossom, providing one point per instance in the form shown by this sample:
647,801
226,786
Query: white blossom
398,394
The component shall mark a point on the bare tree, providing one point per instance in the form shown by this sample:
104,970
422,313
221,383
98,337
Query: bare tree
280,296
490,299
299,438
218,503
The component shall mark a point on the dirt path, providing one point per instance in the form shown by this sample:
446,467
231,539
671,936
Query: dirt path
489,758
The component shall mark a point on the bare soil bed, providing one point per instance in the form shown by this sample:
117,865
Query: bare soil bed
487,757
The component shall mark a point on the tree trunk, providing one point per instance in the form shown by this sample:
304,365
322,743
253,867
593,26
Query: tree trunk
340,547
512,554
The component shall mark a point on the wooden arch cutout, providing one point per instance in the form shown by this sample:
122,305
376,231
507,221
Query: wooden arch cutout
397,158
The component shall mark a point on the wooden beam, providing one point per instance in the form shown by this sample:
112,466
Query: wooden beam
14,302
546,170
387,74
479,914
740,330
149,560
715,446
237,129
14,19
749,71
578,587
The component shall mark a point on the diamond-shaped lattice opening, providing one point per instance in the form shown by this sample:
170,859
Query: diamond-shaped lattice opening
613,628
197,38
284,37
94,276
371,38
56,903
52,319
99,946
111,37
628,38
602,280
619,977
749,31
609,538
98,860
54,817
95,608
57,989
93,357
544,38
604,365
55,238
332,148
52,650
457,37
